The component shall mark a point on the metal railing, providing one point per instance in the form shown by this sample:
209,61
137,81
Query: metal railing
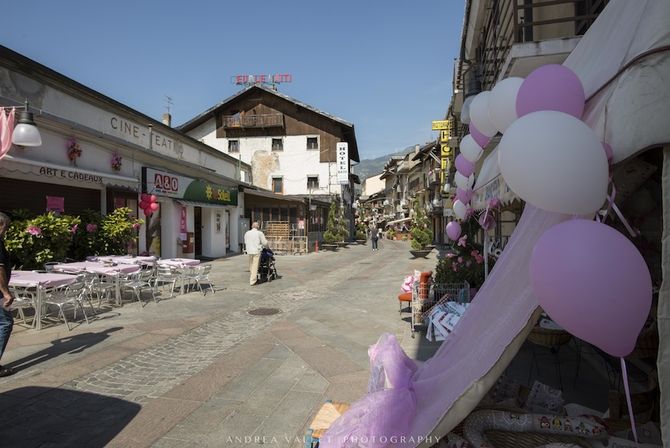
253,121
509,22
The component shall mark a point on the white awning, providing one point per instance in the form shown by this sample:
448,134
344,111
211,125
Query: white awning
397,221
201,204
490,184
68,172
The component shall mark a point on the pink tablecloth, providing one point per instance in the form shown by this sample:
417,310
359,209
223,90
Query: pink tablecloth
123,259
31,279
179,262
95,267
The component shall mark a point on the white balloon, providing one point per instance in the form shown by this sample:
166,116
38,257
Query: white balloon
502,102
479,114
470,149
460,209
464,183
555,162
465,110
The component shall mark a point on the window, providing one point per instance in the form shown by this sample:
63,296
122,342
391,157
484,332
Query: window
312,182
277,185
312,142
233,146
277,144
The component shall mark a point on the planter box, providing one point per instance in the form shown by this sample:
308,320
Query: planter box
332,247
361,241
423,253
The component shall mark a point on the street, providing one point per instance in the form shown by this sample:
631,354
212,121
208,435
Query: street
200,370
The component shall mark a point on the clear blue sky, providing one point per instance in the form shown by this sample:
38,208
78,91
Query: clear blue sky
386,66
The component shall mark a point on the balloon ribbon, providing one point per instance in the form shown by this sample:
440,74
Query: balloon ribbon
628,400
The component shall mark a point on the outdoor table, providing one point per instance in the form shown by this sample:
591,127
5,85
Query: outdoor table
179,262
123,259
41,282
113,271
182,265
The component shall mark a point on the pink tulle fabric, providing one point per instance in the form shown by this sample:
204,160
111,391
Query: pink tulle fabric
406,402
6,131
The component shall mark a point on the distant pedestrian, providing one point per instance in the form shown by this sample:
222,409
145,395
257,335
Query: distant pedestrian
374,237
255,241
6,298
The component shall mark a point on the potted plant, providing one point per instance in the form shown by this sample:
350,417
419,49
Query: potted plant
361,235
421,234
390,234
331,235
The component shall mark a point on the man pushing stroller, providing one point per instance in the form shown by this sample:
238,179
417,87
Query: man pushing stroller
255,241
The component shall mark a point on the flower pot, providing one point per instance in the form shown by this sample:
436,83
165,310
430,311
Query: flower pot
421,253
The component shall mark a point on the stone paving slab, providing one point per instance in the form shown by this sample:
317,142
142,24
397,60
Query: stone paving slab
204,376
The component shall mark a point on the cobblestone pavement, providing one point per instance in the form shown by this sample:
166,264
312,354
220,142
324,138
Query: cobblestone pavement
200,370
155,370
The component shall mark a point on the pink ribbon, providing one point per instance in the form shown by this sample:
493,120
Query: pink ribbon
628,400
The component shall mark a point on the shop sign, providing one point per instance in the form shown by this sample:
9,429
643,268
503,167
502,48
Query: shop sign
441,125
71,175
55,204
182,223
444,136
171,185
139,134
343,163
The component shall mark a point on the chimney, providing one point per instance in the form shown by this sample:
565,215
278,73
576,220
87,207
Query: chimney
167,120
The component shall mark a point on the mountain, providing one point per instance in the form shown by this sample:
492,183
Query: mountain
372,167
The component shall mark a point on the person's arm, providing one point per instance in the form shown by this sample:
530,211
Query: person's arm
4,288
264,242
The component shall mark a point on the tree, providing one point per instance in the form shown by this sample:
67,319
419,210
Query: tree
421,233
332,233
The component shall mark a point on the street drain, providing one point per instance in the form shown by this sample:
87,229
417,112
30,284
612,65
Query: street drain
264,311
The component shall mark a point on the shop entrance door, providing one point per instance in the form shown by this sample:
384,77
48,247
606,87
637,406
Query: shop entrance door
197,224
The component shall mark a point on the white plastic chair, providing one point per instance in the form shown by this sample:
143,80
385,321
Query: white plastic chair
139,281
165,274
73,295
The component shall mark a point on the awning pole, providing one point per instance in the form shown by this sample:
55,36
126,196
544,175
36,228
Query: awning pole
486,255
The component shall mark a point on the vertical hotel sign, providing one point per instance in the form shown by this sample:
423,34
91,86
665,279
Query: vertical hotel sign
343,163
444,126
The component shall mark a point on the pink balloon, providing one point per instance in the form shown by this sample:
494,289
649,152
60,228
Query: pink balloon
593,282
608,152
551,87
153,198
143,204
463,195
144,197
464,166
480,138
453,230
153,206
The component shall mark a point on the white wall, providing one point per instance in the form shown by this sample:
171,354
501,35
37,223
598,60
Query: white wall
373,184
293,164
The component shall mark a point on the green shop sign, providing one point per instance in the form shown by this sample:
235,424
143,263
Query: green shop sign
171,185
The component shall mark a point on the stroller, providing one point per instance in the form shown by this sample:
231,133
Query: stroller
267,270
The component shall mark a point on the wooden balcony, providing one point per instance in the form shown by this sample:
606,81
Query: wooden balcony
253,121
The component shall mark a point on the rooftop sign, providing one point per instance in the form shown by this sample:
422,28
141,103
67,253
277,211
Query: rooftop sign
248,80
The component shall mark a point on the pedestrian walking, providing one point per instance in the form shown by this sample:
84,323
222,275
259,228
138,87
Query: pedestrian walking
6,298
374,237
254,241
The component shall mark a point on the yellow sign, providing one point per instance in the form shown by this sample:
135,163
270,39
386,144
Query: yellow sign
444,162
445,150
441,125
444,136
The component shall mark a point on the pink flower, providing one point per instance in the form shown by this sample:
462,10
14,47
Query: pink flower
137,225
460,260
74,228
494,203
454,267
91,228
34,230
469,263
463,241
451,255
